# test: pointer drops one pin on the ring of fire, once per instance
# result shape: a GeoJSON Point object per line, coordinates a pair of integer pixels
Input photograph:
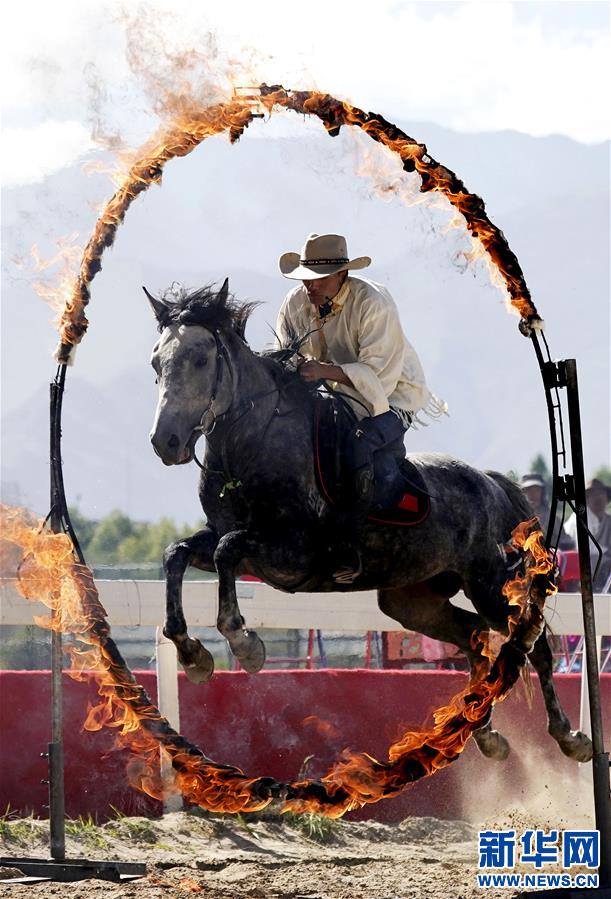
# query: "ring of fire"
{"type": "Point", "coordinates": [49, 572]}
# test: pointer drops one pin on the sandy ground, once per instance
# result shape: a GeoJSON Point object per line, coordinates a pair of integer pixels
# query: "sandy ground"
{"type": "Point", "coordinates": [228, 857]}
{"type": "Point", "coordinates": [264, 857]}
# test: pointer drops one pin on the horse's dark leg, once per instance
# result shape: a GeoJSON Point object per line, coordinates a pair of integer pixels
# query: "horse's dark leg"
{"type": "Point", "coordinates": [420, 608]}
{"type": "Point", "coordinates": [246, 645]}
{"type": "Point", "coordinates": [573, 743]}
{"type": "Point", "coordinates": [198, 551]}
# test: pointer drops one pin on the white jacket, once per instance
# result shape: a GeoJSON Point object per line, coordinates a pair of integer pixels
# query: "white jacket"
{"type": "Point", "coordinates": [363, 335]}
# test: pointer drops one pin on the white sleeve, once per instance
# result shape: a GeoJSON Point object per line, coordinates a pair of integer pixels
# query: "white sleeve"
{"type": "Point", "coordinates": [284, 325]}
{"type": "Point", "coordinates": [570, 528]}
{"type": "Point", "coordinates": [381, 355]}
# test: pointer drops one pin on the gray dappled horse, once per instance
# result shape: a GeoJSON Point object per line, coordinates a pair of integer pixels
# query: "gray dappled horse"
{"type": "Point", "coordinates": [266, 516]}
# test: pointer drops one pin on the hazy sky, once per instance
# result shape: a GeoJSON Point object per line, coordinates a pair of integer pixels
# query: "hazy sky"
{"type": "Point", "coordinates": [537, 67]}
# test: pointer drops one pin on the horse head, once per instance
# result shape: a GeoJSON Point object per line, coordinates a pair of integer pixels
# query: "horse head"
{"type": "Point", "coordinates": [190, 360]}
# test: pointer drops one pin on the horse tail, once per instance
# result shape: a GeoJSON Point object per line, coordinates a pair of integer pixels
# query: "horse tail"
{"type": "Point", "coordinates": [514, 494]}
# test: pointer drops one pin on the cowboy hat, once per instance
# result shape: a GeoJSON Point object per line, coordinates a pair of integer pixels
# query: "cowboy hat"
{"type": "Point", "coordinates": [322, 255]}
{"type": "Point", "coordinates": [597, 484]}
{"type": "Point", "coordinates": [532, 480]}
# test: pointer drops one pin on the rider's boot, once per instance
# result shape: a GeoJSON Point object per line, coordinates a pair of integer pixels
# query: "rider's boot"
{"type": "Point", "coordinates": [351, 522]}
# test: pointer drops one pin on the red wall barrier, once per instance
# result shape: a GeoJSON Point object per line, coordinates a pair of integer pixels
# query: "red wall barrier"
{"type": "Point", "coordinates": [268, 723]}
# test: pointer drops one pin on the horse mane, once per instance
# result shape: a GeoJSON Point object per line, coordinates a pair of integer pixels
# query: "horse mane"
{"type": "Point", "coordinates": [206, 306]}
{"type": "Point", "coordinates": [211, 308]}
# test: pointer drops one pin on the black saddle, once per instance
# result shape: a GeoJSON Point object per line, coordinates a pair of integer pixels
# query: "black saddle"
{"type": "Point", "coordinates": [400, 495]}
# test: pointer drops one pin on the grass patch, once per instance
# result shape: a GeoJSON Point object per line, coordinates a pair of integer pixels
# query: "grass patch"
{"type": "Point", "coordinates": [139, 830]}
{"type": "Point", "coordinates": [85, 828]}
{"type": "Point", "coordinates": [317, 828]}
{"type": "Point", "coordinates": [14, 829]}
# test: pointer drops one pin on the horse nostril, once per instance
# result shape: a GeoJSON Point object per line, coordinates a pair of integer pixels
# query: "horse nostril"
{"type": "Point", "coordinates": [173, 441]}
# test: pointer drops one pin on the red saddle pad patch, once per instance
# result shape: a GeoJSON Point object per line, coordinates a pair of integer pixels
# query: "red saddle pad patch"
{"type": "Point", "coordinates": [409, 503]}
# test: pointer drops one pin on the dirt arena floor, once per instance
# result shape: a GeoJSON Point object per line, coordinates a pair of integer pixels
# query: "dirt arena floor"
{"type": "Point", "coordinates": [268, 857]}
{"type": "Point", "coordinates": [308, 858]}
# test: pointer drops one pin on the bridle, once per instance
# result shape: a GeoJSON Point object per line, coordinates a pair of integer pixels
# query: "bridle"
{"type": "Point", "coordinates": [205, 429]}
{"type": "Point", "coordinates": [221, 352]}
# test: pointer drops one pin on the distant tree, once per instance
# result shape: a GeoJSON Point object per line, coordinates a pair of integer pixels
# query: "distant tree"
{"type": "Point", "coordinates": [149, 541]}
{"type": "Point", "coordinates": [160, 535]}
{"type": "Point", "coordinates": [108, 535]}
{"type": "Point", "coordinates": [116, 539]}
{"type": "Point", "coordinates": [84, 527]}
{"type": "Point", "coordinates": [512, 475]}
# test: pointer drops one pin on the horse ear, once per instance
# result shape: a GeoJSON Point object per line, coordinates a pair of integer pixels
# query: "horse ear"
{"type": "Point", "coordinates": [223, 292]}
{"type": "Point", "coordinates": [160, 309]}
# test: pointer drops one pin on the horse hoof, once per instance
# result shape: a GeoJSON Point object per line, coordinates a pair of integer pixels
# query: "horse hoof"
{"type": "Point", "coordinates": [251, 654]}
{"type": "Point", "coordinates": [197, 662]}
{"type": "Point", "coordinates": [492, 744]}
{"type": "Point", "coordinates": [577, 746]}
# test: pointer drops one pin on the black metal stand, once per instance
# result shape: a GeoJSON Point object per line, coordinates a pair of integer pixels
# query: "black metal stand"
{"type": "Point", "coordinates": [573, 488]}
{"type": "Point", "coordinates": [58, 867]}
{"type": "Point", "coordinates": [39, 869]}
{"type": "Point", "coordinates": [56, 746]}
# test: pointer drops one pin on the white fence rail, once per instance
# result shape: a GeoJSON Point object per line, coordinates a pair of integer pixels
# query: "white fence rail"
{"type": "Point", "coordinates": [132, 603]}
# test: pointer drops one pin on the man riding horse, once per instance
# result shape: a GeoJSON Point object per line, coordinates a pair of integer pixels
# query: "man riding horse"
{"type": "Point", "coordinates": [355, 343]}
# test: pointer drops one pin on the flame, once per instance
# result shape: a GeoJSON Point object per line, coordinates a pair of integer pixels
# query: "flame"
{"type": "Point", "coordinates": [321, 726]}
{"type": "Point", "coordinates": [49, 573]}
{"type": "Point", "coordinates": [190, 886]}
{"type": "Point", "coordinates": [54, 274]}
{"type": "Point", "coordinates": [190, 123]}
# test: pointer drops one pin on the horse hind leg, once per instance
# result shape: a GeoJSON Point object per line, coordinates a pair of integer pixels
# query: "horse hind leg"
{"type": "Point", "coordinates": [198, 551]}
{"type": "Point", "coordinates": [489, 602]}
{"type": "Point", "coordinates": [573, 743]}
{"type": "Point", "coordinates": [426, 609]}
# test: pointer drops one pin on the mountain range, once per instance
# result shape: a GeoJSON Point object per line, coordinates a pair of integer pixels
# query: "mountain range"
{"type": "Point", "coordinates": [232, 211]}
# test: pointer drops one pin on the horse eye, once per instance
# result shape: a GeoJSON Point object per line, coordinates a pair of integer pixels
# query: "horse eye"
{"type": "Point", "coordinates": [201, 362]}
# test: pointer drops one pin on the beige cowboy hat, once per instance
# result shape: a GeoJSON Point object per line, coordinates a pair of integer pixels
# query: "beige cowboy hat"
{"type": "Point", "coordinates": [322, 255]}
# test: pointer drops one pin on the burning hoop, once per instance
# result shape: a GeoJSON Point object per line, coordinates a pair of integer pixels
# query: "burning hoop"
{"type": "Point", "coordinates": [52, 574]}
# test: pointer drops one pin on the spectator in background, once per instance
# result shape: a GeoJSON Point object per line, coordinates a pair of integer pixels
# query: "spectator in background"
{"type": "Point", "coordinates": [598, 497]}
{"type": "Point", "coordinates": [534, 488]}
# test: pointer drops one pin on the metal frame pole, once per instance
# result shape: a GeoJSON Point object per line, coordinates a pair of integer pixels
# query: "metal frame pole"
{"type": "Point", "coordinates": [600, 760]}
{"type": "Point", "coordinates": [57, 830]}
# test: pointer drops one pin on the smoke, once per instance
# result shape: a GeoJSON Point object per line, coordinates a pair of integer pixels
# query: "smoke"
{"type": "Point", "coordinates": [535, 788]}
{"type": "Point", "coordinates": [173, 64]}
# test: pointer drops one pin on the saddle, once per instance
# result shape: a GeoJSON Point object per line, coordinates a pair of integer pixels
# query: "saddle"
{"type": "Point", "coordinates": [400, 495]}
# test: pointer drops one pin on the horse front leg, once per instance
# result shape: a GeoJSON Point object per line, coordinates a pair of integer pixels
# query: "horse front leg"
{"type": "Point", "coordinates": [245, 644]}
{"type": "Point", "coordinates": [198, 551]}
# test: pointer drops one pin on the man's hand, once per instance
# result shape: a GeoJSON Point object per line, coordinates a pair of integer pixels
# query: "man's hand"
{"type": "Point", "coordinates": [312, 370]}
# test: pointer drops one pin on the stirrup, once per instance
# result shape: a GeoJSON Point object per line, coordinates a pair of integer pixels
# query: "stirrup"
{"type": "Point", "coordinates": [346, 574]}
